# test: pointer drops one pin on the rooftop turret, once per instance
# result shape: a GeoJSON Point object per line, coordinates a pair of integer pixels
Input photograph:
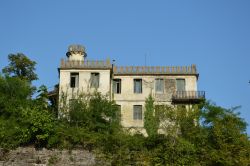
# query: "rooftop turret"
{"type": "Point", "coordinates": [76, 52]}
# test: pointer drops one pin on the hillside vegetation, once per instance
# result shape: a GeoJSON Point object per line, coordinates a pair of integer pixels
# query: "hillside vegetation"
{"type": "Point", "coordinates": [208, 135]}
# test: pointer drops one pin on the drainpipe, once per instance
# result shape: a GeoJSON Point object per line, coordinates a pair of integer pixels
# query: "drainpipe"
{"type": "Point", "coordinates": [111, 80]}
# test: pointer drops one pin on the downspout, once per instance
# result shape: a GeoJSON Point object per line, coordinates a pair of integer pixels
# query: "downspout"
{"type": "Point", "coordinates": [111, 80]}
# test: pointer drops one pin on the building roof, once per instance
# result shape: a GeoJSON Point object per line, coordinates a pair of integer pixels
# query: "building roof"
{"type": "Point", "coordinates": [155, 70]}
{"type": "Point", "coordinates": [129, 70]}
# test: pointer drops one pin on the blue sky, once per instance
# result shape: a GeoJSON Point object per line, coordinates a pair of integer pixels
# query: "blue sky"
{"type": "Point", "coordinates": [213, 34]}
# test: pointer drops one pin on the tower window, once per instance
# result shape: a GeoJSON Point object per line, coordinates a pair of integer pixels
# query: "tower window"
{"type": "Point", "coordinates": [74, 80]}
{"type": "Point", "coordinates": [94, 80]}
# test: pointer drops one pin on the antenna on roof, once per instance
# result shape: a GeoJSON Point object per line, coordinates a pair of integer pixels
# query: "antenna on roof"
{"type": "Point", "coordinates": [145, 59]}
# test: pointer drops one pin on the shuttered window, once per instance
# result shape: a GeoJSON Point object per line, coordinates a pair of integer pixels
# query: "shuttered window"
{"type": "Point", "coordinates": [94, 80]}
{"type": "Point", "coordinates": [137, 85]}
{"type": "Point", "coordinates": [159, 85]}
{"type": "Point", "coordinates": [137, 112]}
{"type": "Point", "coordinates": [180, 84]}
{"type": "Point", "coordinates": [118, 113]}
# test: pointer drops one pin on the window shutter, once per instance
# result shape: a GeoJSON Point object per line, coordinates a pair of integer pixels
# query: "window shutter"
{"type": "Point", "coordinates": [170, 86]}
{"type": "Point", "coordinates": [180, 83]}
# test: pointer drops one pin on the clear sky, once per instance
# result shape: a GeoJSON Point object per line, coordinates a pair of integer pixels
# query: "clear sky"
{"type": "Point", "coordinates": [213, 34]}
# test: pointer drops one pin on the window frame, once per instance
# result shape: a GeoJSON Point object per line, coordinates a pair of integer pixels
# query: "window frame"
{"type": "Point", "coordinates": [181, 79]}
{"type": "Point", "coordinates": [92, 78]}
{"type": "Point", "coordinates": [117, 86]}
{"type": "Point", "coordinates": [137, 113]}
{"type": "Point", "coordinates": [119, 112]}
{"type": "Point", "coordinates": [161, 81]}
{"type": "Point", "coordinates": [75, 76]}
{"type": "Point", "coordinates": [140, 89]}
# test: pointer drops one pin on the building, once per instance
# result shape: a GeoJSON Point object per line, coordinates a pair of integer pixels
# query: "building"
{"type": "Point", "coordinates": [129, 86]}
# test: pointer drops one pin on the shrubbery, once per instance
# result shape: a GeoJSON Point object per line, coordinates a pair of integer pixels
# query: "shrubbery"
{"type": "Point", "coordinates": [207, 135]}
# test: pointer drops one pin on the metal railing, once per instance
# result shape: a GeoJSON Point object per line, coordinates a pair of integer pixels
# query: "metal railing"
{"type": "Point", "coordinates": [183, 95]}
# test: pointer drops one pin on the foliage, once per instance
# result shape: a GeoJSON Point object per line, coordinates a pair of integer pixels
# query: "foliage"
{"type": "Point", "coordinates": [12, 133]}
{"type": "Point", "coordinates": [151, 123]}
{"type": "Point", "coordinates": [191, 135]}
{"type": "Point", "coordinates": [227, 138]}
{"type": "Point", "coordinates": [20, 66]}
{"type": "Point", "coordinates": [14, 94]}
{"type": "Point", "coordinates": [42, 97]}
{"type": "Point", "coordinates": [94, 112]}
{"type": "Point", "coordinates": [40, 124]}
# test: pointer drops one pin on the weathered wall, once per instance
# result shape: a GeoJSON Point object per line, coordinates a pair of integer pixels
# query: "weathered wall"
{"type": "Point", "coordinates": [84, 81]}
{"type": "Point", "coordinates": [128, 98]}
{"type": "Point", "coordinates": [29, 156]}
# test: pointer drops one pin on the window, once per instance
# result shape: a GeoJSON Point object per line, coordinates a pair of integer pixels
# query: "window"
{"type": "Point", "coordinates": [137, 114]}
{"type": "Point", "coordinates": [94, 80]}
{"type": "Point", "coordinates": [117, 86]}
{"type": "Point", "coordinates": [118, 113]}
{"type": "Point", "coordinates": [159, 85]}
{"type": "Point", "coordinates": [159, 109]}
{"type": "Point", "coordinates": [137, 85]}
{"type": "Point", "coordinates": [74, 80]}
{"type": "Point", "coordinates": [180, 84]}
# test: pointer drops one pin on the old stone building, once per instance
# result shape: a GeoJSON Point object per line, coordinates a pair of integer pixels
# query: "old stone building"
{"type": "Point", "coordinates": [129, 86]}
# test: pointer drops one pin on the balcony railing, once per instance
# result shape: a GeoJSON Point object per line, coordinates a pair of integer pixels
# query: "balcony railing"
{"type": "Point", "coordinates": [188, 95]}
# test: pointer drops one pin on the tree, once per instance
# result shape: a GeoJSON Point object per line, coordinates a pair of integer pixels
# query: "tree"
{"type": "Point", "coordinates": [151, 123]}
{"type": "Point", "coordinates": [20, 66]}
{"type": "Point", "coordinates": [228, 143]}
{"type": "Point", "coordinates": [14, 93]}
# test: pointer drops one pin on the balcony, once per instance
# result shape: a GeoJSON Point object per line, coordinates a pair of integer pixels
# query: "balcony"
{"type": "Point", "coordinates": [183, 97]}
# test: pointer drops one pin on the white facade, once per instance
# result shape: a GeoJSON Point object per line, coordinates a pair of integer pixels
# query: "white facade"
{"type": "Point", "coordinates": [129, 86]}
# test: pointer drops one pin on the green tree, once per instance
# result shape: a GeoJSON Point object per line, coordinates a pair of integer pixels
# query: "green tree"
{"type": "Point", "coordinates": [151, 123]}
{"type": "Point", "coordinates": [20, 66]}
{"type": "Point", "coordinates": [93, 111]}
{"type": "Point", "coordinates": [227, 143]}
{"type": "Point", "coordinates": [14, 94]}
{"type": "Point", "coordinates": [42, 97]}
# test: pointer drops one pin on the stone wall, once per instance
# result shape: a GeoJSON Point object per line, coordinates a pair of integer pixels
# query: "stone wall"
{"type": "Point", "coordinates": [29, 156]}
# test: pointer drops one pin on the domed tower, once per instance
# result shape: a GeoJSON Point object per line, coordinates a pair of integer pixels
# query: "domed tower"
{"type": "Point", "coordinates": [76, 53]}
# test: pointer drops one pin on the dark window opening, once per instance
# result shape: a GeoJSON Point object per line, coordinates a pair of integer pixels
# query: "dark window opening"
{"type": "Point", "coordinates": [74, 79]}
{"type": "Point", "coordinates": [137, 85]}
{"type": "Point", "coordinates": [117, 86]}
